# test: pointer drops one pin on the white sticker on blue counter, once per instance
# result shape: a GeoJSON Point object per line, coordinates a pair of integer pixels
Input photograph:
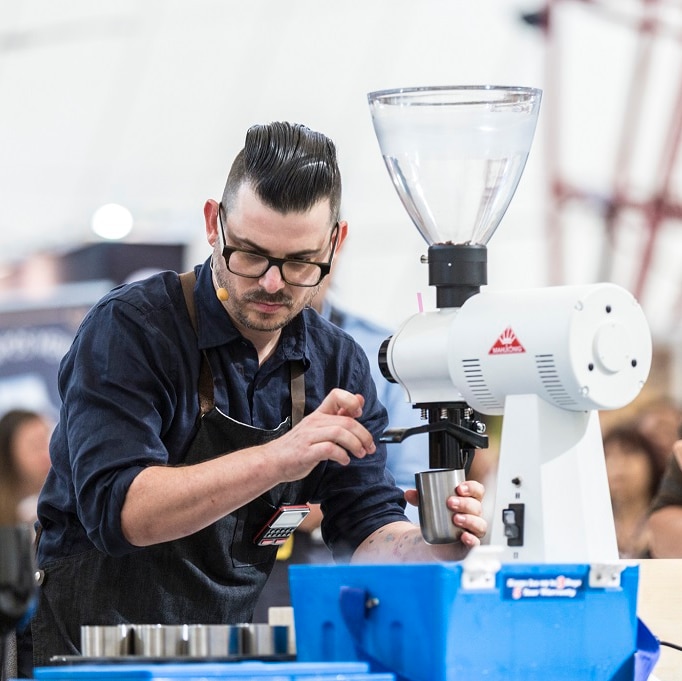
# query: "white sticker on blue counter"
{"type": "Point", "coordinates": [522, 587]}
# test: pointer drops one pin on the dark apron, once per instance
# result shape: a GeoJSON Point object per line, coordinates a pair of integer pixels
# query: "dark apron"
{"type": "Point", "coordinates": [213, 576]}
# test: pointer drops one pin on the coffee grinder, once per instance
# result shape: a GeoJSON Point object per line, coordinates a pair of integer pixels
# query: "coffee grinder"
{"type": "Point", "coordinates": [545, 359]}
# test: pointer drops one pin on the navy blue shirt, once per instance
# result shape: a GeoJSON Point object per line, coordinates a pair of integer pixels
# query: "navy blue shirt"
{"type": "Point", "coordinates": [129, 400]}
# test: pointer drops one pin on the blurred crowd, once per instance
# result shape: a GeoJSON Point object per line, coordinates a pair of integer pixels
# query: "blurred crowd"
{"type": "Point", "coordinates": [640, 460]}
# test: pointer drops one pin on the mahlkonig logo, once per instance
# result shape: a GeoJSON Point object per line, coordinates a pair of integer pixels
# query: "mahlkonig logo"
{"type": "Point", "coordinates": [507, 344]}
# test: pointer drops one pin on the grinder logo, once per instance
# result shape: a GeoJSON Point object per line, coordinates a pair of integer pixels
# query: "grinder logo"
{"type": "Point", "coordinates": [507, 344]}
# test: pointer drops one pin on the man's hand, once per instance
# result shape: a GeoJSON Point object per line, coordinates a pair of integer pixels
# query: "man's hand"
{"type": "Point", "coordinates": [328, 433]}
{"type": "Point", "coordinates": [467, 510]}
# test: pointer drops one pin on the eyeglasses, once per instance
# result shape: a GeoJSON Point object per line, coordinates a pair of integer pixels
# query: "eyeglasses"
{"type": "Point", "coordinates": [294, 272]}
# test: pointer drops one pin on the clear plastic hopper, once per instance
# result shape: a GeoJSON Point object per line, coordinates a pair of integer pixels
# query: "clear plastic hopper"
{"type": "Point", "coordinates": [455, 154]}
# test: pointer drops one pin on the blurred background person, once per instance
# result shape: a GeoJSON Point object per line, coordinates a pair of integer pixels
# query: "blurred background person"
{"type": "Point", "coordinates": [660, 421]}
{"type": "Point", "coordinates": [665, 522]}
{"type": "Point", "coordinates": [24, 462]}
{"type": "Point", "coordinates": [634, 474]}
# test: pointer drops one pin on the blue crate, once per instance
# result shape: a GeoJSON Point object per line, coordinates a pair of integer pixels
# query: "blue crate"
{"type": "Point", "coordinates": [419, 623]}
{"type": "Point", "coordinates": [214, 671]}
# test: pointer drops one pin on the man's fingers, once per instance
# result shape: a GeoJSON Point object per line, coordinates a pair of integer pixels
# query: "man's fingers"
{"type": "Point", "coordinates": [471, 488]}
{"type": "Point", "coordinates": [342, 403]}
{"type": "Point", "coordinates": [350, 435]}
{"type": "Point", "coordinates": [412, 497]}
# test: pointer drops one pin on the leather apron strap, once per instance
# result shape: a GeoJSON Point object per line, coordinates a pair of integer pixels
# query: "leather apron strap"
{"type": "Point", "coordinates": [206, 397]}
{"type": "Point", "coordinates": [297, 383]}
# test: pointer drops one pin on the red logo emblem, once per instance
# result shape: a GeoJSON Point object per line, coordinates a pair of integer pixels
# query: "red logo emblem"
{"type": "Point", "coordinates": [507, 344]}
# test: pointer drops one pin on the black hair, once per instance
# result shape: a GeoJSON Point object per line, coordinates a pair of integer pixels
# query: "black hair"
{"type": "Point", "coordinates": [634, 442]}
{"type": "Point", "coordinates": [290, 168]}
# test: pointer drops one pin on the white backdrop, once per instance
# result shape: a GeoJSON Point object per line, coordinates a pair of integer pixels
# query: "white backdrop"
{"type": "Point", "coordinates": [146, 103]}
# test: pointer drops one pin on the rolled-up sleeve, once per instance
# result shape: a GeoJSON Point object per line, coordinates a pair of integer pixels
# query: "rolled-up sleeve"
{"type": "Point", "coordinates": [122, 385]}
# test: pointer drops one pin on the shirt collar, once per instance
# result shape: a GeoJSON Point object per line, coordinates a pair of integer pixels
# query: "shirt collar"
{"type": "Point", "coordinates": [215, 326]}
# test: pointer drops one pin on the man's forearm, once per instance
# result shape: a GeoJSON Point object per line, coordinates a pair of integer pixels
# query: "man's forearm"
{"type": "Point", "coordinates": [166, 503]}
{"type": "Point", "coordinates": [402, 542]}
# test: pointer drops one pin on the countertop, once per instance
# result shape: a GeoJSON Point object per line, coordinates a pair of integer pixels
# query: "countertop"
{"type": "Point", "coordinates": [659, 606]}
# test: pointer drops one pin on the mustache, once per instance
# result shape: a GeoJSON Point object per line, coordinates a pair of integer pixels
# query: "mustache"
{"type": "Point", "coordinates": [279, 298]}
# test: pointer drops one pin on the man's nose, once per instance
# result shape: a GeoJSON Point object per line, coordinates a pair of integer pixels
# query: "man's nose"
{"type": "Point", "coordinates": [272, 279]}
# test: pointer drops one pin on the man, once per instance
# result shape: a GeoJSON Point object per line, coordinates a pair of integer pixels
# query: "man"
{"type": "Point", "coordinates": [152, 511]}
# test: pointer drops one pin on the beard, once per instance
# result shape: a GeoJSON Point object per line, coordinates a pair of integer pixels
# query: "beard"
{"type": "Point", "coordinates": [251, 319]}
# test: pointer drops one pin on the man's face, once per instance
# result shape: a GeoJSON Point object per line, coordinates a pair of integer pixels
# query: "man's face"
{"type": "Point", "coordinates": [267, 303]}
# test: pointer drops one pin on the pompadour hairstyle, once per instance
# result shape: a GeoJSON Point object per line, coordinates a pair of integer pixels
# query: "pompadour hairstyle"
{"type": "Point", "coordinates": [289, 167]}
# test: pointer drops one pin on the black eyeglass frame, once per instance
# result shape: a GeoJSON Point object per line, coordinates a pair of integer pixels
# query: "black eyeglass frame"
{"type": "Point", "coordinates": [324, 267]}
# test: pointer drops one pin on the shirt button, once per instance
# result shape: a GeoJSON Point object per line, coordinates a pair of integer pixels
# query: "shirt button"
{"type": "Point", "coordinates": [39, 577]}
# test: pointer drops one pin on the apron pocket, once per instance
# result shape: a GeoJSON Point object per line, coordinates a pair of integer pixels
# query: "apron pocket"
{"type": "Point", "coordinates": [249, 521]}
